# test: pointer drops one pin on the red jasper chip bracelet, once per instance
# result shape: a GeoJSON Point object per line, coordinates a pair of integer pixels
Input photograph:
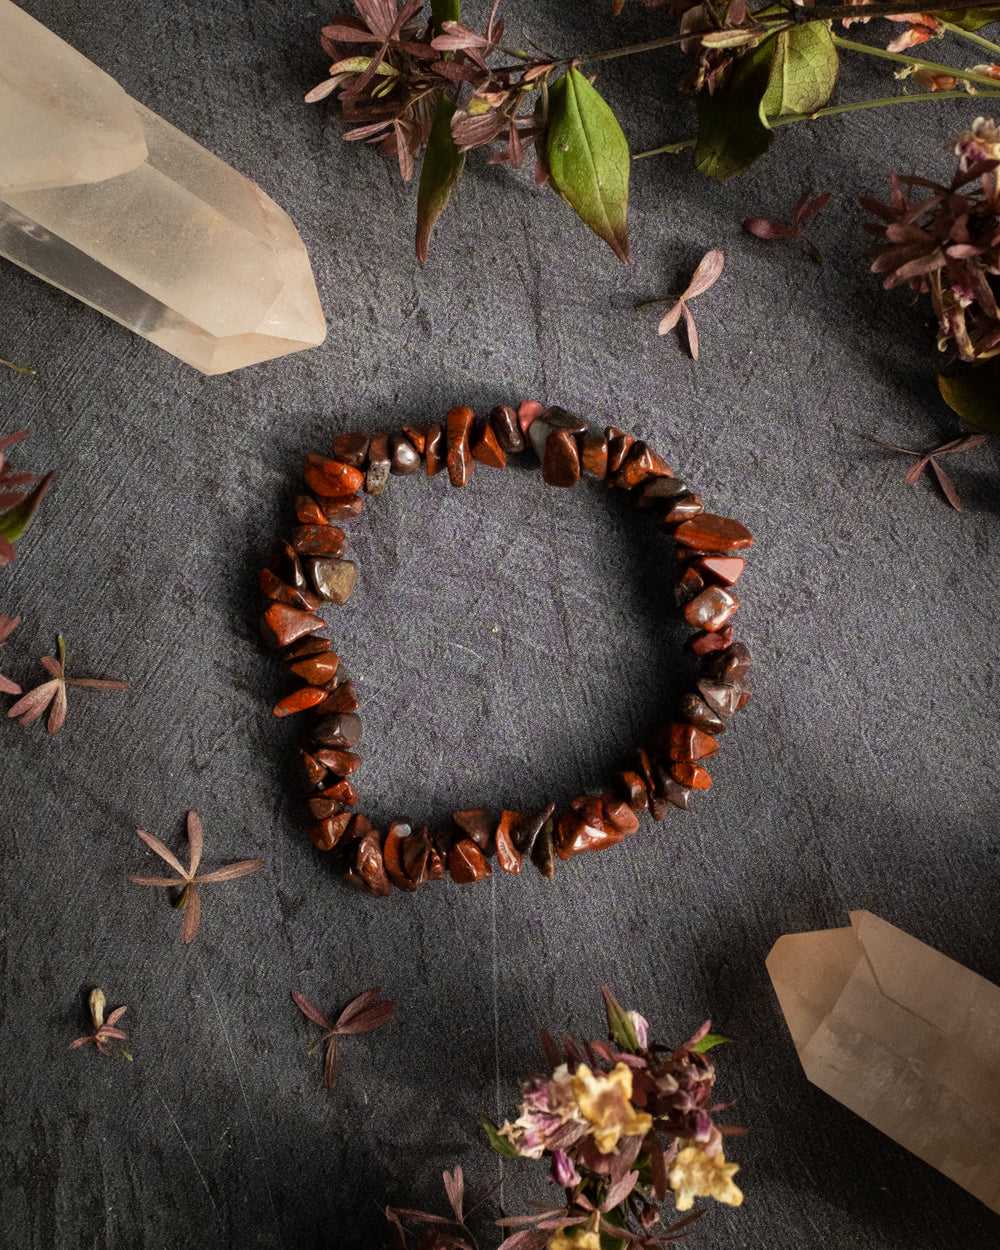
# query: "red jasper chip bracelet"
{"type": "Point", "coordinates": [310, 569]}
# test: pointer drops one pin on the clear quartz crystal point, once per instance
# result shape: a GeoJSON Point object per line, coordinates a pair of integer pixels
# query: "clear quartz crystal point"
{"type": "Point", "coordinates": [104, 199]}
{"type": "Point", "coordinates": [903, 1036]}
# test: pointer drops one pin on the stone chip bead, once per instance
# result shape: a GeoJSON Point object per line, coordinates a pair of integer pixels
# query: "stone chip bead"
{"type": "Point", "coordinates": [593, 457]}
{"type": "Point", "coordinates": [317, 670]}
{"type": "Point", "coordinates": [476, 823]}
{"type": "Point", "coordinates": [319, 540]}
{"type": "Point", "coordinates": [727, 570]}
{"type": "Point", "coordinates": [508, 856]}
{"type": "Point", "coordinates": [503, 422]}
{"type": "Point", "coordinates": [334, 580]}
{"type": "Point", "coordinates": [405, 457]}
{"type": "Point", "coordinates": [352, 449]}
{"type": "Point", "coordinates": [283, 625]}
{"type": "Point", "coordinates": [343, 729]}
{"type": "Point", "coordinates": [696, 712]}
{"type": "Point", "coordinates": [433, 445]}
{"type": "Point", "coordinates": [370, 866]}
{"type": "Point", "coordinates": [274, 588]}
{"type": "Point", "coordinates": [723, 697]}
{"type": "Point", "coordinates": [640, 463]}
{"type": "Point", "coordinates": [487, 449]}
{"type": "Point", "coordinates": [660, 492]}
{"type": "Point", "coordinates": [378, 465]}
{"type": "Point", "coordinates": [710, 534]}
{"type": "Point", "coordinates": [299, 701]}
{"type": "Point", "coordinates": [458, 455]}
{"type": "Point", "coordinates": [547, 423]}
{"type": "Point", "coordinates": [325, 834]}
{"type": "Point", "coordinates": [561, 462]}
{"type": "Point", "coordinates": [683, 508]}
{"type": "Point", "coordinates": [392, 856]}
{"type": "Point", "coordinates": [689, 743]}
{"type": "Point", "coordinates": [342, 509]}
{"type": "Point", "coordinates": [331, 478]}
{"type": "Point", "coordinates": [686, 773]}
{"type": "Point", "coordinates": [732, 664]}
{"type": "Point", "coordinates": [466, 862]}
{"type": "Point", "coordinates": [709, 610]}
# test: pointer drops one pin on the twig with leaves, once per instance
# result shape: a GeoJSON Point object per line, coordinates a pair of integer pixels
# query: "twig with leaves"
{"type": "Point", "coordinates": [188, 879]}
{"type": "Point", "coordinates": [361, 1015]}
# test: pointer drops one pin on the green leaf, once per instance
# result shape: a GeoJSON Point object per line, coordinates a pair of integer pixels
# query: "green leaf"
{"type": "Point", "coordinates": [708, 1041]}
{"type": "Point", "coordinates": [442, 168]}
{"type": "Point", "coordinates": [970, 19]}
{"type": "Point", "coordinates": [620, 1026]}
{"type": "Point", "coordinates": [732, 125]}
{"type": "Point", "coordinates": [975, 394]}
{"type": "Point", "coordinates": [15, 521]}
{"type": "Point", "coordinates": [500, 1144]}
{"type": "Point", "coordinates": [803, 70]}
{"type": "Point", "coordinates": [445, 11]}
{"type": "Point", "coordinates": [588, 159]}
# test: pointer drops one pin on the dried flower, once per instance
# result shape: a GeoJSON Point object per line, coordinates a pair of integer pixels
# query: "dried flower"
{"type": "Point", "coordinates": [929, 458]}
{"type": "Point", "coordinates": [361, 1015]}
{"type": "Point", "coordinates": [187, 878]}
{"type": "Point", "coordinates": [806, 206]}
{"type": "Point", "coordinates": [103, 1032]}
{"type": "Point", "coordinates": [31, 706]}
{"type": "Point", "coordinates": [624, 1114]}
{"type": "Point", "coordinates": [947, 245]}
{"type": "Point", "coordinates": [698, 1174]}
{"type": "Point", "coordinates": [919, 28]}
{"type": "Point", "coordinates": [706, 275]}
{"type": "Point", "coordinates": [7, 626]}
{"type": "Point", "coordinates": [603, 1100]}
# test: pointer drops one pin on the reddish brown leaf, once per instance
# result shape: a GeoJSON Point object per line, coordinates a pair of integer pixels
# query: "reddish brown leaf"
{"type": "Point", "coordinates": [231, 871]}
{"type": "Point", "coordinates": [309, 1009]}
{"type": "Point", "coordinates": [454, 1185]}
{"type": "Point", "coordinates": [947, 485]}
{"type": "Point", "coordinates": [371, 1018]}
{"type": "Point", "coordinates": [192, 913]}
{"type": "Point", "coordinates": [330, 1061]}
{"type": "Point", "coordinates": [553, 1055]}
{"type": "Point", "coordinates": [359, 1004]}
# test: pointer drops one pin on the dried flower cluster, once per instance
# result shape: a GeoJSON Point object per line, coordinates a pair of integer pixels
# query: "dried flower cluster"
{"type": "Point", "coordinates": [188, 879]}
{"type": "Point", "coordinates": [946, 244]}
{"type": "Point", "coordinates": [366, 1012]}
{"type": "Point", "coordinates": [20, 495]}
{"type": "Point", "coordinates": [621, 1125]}
{"type": "Point", "coordinates": [104, 1030]}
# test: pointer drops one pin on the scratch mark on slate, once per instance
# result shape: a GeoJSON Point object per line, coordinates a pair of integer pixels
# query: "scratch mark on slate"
{"type": "Point", "coordinates": [190, 1152]}
{"type": "Point", "coordinates": [246, 1103]}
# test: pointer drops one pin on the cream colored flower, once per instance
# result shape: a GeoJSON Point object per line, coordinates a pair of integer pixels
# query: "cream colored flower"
{"type": "Point", "coordinates": [696, 1174]}
{"type": "Point", "coordinates": [603, 1100]}
{"type": "Point", "coordinates": [574, 1240]}
{"type": "Point", "coordinates": [981, 143]}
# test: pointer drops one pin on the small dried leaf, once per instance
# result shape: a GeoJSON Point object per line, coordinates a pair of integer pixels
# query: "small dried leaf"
{"type": "Point", "coordinates": [671, 318]}
{"type": "Point", "coordinates": [196, 841]}
{"type": "Point", "coordinates": [706, 275]}
{"type": "Point", "coordinates": [550, 1047]}
{"type": "Point", "coordinates": [359, 1004]}
{"type": "Point", "coordinates": [762, 228]}
{"type": "Point", "coordinates": [309, 1009]}
{"type": "Point", "coordinates": [692, 332]}
{"type": "Point", "coordinates": [454, 1185]}
{"type": "Point", "coordinates": [231, 871]}
{"type": "Point", "coordinates": [192, 913]}
{"type": "Point", "coordinates": [156, 845]}
{"type": "Point", "coordinates": [365, 1021]}
{"type": "Point", "coordinates": [947, 485]}
{"type": "Point", "coordinates": [330, 1062]}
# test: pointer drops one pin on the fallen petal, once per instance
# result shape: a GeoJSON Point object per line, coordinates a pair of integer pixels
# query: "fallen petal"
{"type": "Point", "coordinates": [706, 275]}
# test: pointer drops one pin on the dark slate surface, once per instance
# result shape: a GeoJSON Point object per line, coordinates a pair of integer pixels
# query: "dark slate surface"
{"type": "Point", "coordinates": [509, 643]}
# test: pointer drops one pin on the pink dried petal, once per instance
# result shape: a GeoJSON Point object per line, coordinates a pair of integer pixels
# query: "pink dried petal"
{"type": "Point", "coordinates": [33, 704]}
{"type": "Point", "coordinates": [192, 914]}
{"type": "Point", "coordinates": [671, 318]}
{"type": "Point", "coordinates": [156, 845]}
{"type": "Point", "coordinates": [692, 332]}
{"type": "Point", "coordinates": [309, 1009]}
{"type": "Point", "coordinates": [706, 275]}
{"type": "Point", "coordinates": [57, 717]}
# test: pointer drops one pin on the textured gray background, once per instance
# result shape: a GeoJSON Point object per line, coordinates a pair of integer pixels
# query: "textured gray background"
{"type": "Point", "coordinates": [509, 643]}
